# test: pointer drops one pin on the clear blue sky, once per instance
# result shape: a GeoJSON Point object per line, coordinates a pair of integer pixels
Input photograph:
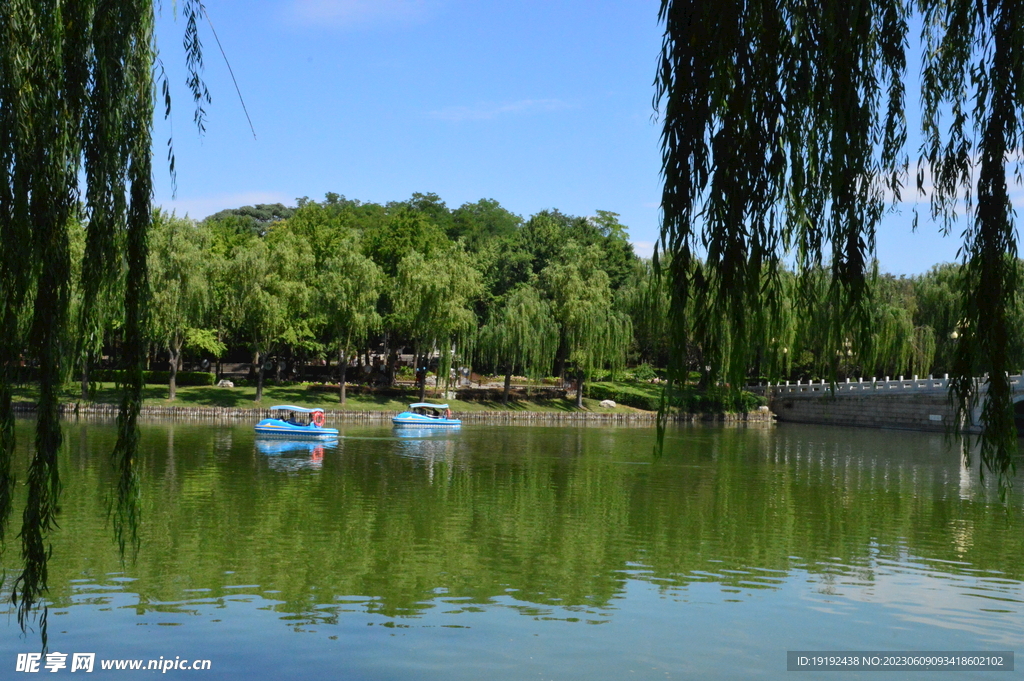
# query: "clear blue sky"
{"type": "Point", "coordinates": [537, 104]}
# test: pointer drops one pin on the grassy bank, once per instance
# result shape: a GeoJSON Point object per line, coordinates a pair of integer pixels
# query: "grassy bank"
{"type": "Point", "coordinates": [687, 399]}
{"type": "Point", "coordinates": [243, 397]}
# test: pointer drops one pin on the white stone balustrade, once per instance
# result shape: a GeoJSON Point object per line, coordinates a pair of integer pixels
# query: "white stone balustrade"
{"type": "Point", "coordinates": [863, 386]}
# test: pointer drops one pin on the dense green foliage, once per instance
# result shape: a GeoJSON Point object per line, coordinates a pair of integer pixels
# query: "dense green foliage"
{"type": "Point", "coordinates": [362, 283]}
{"type": "Point", "coordinates": [784, 134]}
{"type": "Point", "coordinates": [341, 280]}
{"type": "Point", "coordinates": [474, 286]}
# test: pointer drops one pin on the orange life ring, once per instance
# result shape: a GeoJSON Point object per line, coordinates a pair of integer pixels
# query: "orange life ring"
{"type": "Point", "coordinates": [318, 419]}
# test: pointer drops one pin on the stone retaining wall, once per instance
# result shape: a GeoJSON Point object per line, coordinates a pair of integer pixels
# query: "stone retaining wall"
{"type": "Point", "coordinates": [928, 411]}
{"type": "Point", "coordinates": [253, 414]}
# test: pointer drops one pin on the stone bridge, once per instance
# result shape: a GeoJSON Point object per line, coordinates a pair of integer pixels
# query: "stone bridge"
{"type": "Point", "coordinates": [911, 404]}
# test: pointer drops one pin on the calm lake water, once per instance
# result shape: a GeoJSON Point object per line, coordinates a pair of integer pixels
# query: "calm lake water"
{"type": "Point", "coordinates": [530, 553]}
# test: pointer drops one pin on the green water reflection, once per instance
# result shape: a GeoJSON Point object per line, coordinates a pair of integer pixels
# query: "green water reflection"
{"type": "Point", "coordinates": [852, 530]}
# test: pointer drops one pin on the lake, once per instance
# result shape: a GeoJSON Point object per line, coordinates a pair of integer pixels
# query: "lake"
{"type": "Point", "coordinates": [528, 552]}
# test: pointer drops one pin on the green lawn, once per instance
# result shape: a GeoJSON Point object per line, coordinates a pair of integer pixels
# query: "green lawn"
{"type": "Point", "coordinates": [300, 395]}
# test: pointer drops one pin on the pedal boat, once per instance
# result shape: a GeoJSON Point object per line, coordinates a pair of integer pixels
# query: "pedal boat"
{"type": "Point", "coordinates": [426, 414]}
{"type": "Point", "coordinates": [300, 424]}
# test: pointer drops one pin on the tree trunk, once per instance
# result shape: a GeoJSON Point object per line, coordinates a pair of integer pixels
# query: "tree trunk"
{"type": "Point", "coordinates": [219, 367]}
{"type": "Point", "coordinates": [508, 386]}
{"type": "Point", "coordinates": [85, 376]}
{"type": "Point", "coordinates": [579, 391]}
{"type": "Point", "coordinates": [342, 369]}
{"type": "Point", "coordinates": [392, 364]}
{"type": "Point", "coordinates": [421, 372]}
{"type": "Point", "coordinates": [259, 384]}
{"type": "Point", "coordinates": [277, 370]}
{"type": "Point", "coordinates": [560, 363]}
{"type": "Point", "coordinates": [172, 381]}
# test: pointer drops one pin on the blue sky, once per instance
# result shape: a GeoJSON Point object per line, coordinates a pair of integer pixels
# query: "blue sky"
{"type": "Point", "coordinates": [535, 104]}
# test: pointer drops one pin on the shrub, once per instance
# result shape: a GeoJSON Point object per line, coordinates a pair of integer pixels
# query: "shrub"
{"type": "Point", "coordinates": [155, 377]}
{"type": "Point", "coordinates": [721, 399]}
{"type": "Point", "coordinates": [643, 373]}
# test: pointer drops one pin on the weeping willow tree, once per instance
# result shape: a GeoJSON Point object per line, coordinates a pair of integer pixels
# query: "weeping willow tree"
{"type": "Point", "coordinates": [76, 111]}
{"type": "Point", "coordinates": [937, 295]}
{"type": "Point", "coordinates": [899, 345]}
{"type": "Point", "coordinates": [349, 285]}
{"type": "Point", "coordinates": [180, 273]}
{"type": "Point", "coordinates": [270, 297]}
{"type": "Point", "coordinates": [771, 337]}
{"type": "Point", "coordinates": [896, 344]}
{"type": "Point", "coordinates": [784, 132]}
{"type": "Point", "coordinates": [521, 332]}
{"type": "Point", "coordinates": [432, 305]}
{"type": "Point", "coordinates": [593, 333]}
{"type": "Point", "coordinates": [646, 300]}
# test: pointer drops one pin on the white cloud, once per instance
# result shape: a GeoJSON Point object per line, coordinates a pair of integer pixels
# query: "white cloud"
{"type": "Point", "coordinates": [911, 195]}
{"type": "Point", "coordinates": [643, 249]}
{"type": "Point", "coordinates": [488, 110]}
{"type": "Point", "coordinates": [357, 12]}
{"type": "Point", "coordinates": [200, 207]}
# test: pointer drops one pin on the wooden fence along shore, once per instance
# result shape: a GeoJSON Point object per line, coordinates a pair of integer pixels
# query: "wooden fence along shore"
{"type": "Point", "coordinates": [254, 414]}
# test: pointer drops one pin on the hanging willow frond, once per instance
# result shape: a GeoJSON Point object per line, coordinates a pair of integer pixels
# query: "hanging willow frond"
{"type": "Point", "coordinates": [17, 277]}
{"type": "Point", "coordinates": [978, 48]}
{"type": "Point", "coordinates": [194, 10]}
{"type": "Point", "coordinates": [432, 303]}
{"type": "Point", "coordinates": [782, 128]}
{"type": "Point", "coordinates": [46, 60]}
{"type": "Point", "coordinates": [595, 334]}
{"type": "Point", "coordinates": [647, 302]}
{"type": "Point", "coordinates": [784, 132]}
{"type": "Point", "coordinates": [76, 101]}
{"type": "Point", "coordinates": [520, 333]}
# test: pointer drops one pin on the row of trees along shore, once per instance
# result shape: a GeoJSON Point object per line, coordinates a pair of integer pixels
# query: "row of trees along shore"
{"type": "Point", "coordinates": [480, 286]}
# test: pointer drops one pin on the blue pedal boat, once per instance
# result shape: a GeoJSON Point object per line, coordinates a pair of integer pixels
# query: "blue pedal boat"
{"type": "Point", "coordinates": [426, 414]}
{"type": "Point", "coordinates": [293, 426]}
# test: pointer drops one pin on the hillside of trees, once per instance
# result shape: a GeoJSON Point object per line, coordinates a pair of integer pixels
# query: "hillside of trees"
{"type": "Point", "coordinates": [351, 284]}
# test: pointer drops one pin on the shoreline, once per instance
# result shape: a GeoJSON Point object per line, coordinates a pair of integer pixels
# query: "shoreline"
{"type": "Point", "coordinates": [510, 416]}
